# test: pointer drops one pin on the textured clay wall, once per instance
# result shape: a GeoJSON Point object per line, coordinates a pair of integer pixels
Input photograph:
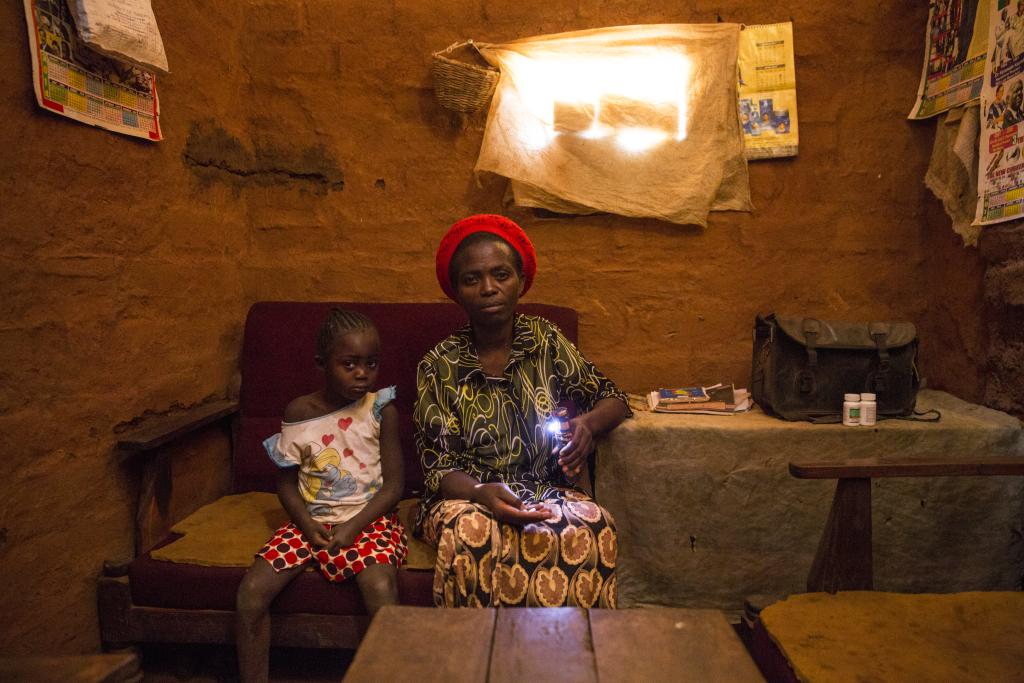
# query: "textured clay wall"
{"type": "Point", "coordinates": [1003, 250]}
{"type": "Point", "coordinates": [306, 158]}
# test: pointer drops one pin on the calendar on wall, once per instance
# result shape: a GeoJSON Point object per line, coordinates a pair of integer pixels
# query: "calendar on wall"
{"type": "Point", "coordinates": [767, 91]}
{"type": "Point", "coordinates": [75, 81]}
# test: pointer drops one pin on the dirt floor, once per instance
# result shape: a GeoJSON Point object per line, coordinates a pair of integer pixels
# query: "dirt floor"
{"type": "Point", "coordinates": [216, 663]}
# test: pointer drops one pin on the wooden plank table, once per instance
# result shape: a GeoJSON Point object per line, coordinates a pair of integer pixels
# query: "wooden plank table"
{"type": "Point", "coordinates": [556, 644]}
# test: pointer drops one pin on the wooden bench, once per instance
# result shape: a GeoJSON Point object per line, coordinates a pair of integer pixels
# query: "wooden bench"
{"type": "Point", "coordinates": [967, 637]}
{"type": "Point", "coordinates": [844, 558]}
{"type": "Point", "coordinates": [829, 632]}
{"type": "Point", "coordinates": [554, 644]}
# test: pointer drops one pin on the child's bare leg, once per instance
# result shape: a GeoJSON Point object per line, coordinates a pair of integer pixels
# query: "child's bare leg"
{"type": "Point", "coordinates": [258, 589]}
{"type": "Point", "coordinates": [379, 585]}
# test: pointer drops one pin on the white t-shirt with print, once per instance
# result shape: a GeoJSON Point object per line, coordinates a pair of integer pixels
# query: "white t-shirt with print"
{"type": "Point", "coordinates": [338, 456]}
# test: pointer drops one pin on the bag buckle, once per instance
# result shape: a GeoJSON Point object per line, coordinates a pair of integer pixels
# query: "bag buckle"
{"type": "Point", "coordinates": [879, 332]}
{"type": "Point", "coordinates": [805, 382]}
{"type": "Point", "coordinates": [877, 382]}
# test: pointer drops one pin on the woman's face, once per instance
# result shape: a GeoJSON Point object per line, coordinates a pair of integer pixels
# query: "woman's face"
{"type": "Point", "coordinates": [487, 282]}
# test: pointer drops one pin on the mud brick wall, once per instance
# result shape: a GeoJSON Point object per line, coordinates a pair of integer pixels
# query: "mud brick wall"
{"type": "Point", "coordinates": [1002, 248]}
{"type": "Point", "coordinates": [306, 158]}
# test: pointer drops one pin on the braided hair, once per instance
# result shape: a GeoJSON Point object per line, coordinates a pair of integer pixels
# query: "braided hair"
{"type": "Point", "coordinates": [339, 321]}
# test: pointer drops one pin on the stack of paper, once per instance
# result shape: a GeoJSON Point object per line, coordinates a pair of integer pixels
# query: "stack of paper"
{"type": "Point", "coordinates": [719, 399]}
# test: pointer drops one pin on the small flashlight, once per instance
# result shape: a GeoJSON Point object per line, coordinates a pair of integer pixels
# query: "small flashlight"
{"type": "Point", "coordinates": [558, 426]}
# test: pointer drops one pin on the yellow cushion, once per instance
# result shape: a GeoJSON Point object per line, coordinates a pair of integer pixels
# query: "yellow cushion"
{"type": "Point", "coordinates": [229, 532]}
{"type": "Point", "coordinates": [861, 636]}
{"type": "Point", "coordinates": [421, 554]}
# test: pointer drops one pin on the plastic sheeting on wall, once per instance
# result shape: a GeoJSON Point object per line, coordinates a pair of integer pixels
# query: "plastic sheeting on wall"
{"type": "Point", "coordinates": [633, 120]}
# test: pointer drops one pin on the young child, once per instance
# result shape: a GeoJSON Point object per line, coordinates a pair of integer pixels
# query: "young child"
{"type": "Point", "coordinates": [340, 479]}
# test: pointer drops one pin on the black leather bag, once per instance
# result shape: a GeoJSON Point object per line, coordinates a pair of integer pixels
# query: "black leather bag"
{"type": "Point", "coordinates": [803, 366]}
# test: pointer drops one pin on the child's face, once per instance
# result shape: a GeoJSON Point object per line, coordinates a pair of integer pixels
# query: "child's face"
{"type": "Point", "coordinates": [351, 368]}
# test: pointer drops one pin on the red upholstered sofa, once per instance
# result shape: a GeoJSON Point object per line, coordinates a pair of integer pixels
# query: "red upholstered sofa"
{"type": "Point", "coordinates": [151, 600]}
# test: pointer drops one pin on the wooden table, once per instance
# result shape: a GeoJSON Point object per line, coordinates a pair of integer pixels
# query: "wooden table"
{"type": "Point", "coordinates": [556, 644]}
{"type": "Point", "coordinates": [845, 557]}
{"type": "Point", "coordinates": [709, 515]}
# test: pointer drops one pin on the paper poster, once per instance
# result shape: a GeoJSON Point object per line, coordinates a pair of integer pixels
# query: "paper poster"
{"type": "Point", "coordinates": [1001, 144]}
{"type": "Point", "coordinates": [956, 40]}
{"type": "Point", "coordinates": [123, 29]}
{"type": "Point", "coordinates": [767, 91]}
{"type": "Point", "coordinates": [75, 81]}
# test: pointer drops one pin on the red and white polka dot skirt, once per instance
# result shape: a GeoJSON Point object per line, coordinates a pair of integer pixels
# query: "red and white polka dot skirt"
{"type": "Point", "coordinates": [382, 542]}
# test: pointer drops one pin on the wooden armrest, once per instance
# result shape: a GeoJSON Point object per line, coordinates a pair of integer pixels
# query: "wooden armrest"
{"type": "Point", "coordinates": [871, 468]}
{"type": "Point", "coordinates": [159, 431]}
{"type": "Point", "coordinates": [156, 475]}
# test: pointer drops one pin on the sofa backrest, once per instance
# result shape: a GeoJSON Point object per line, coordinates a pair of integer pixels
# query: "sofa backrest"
{"type": "Point", "coordinates": [277, 365]}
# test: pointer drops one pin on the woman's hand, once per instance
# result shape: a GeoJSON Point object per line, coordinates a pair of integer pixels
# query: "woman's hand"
{"type": "Point", "coordinates": [343, 535]}
{"type": "Point", "coordinates": [506, 506]}
{"type": "Point", "coordinates": [605, 416]}
{"type": "Point", "coordinates": [574, 454]}
{"type": "Point", "coordinates": [315, 532]}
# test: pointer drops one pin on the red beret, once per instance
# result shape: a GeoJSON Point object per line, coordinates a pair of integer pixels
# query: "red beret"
{"type": "Point", "coordinates": [484, 222]}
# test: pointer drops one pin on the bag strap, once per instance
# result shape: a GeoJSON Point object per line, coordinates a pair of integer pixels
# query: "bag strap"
{"type": "Point", "coordinates": [879, 333]}
{"type": "Point", "coordinates": [931, 415]}
{"type": "Point", "coordinates": [811, 330]}
{"type": "Point", "coordinates": [764, 328]}
{"type": "Point", "coordinates": [805, 380]}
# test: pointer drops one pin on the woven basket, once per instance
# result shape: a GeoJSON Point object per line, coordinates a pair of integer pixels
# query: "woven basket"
{"type": "Point", "coordinates": [460, 86]}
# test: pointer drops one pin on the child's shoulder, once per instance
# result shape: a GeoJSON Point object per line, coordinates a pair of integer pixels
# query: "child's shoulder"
{"type": "Point", "coordinates": [384, 402]}
{"type": "Point", "coordinates": [305, 407]}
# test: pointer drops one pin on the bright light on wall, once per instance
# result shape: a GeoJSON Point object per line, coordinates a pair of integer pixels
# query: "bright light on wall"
{"type": "Point", "coordinates": [640, 139]}
{"type": "Point", "coordinates": [638, 97]}
{"type": "Point", "coordinates": [630, 120]}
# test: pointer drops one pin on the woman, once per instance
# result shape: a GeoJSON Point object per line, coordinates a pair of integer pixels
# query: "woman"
{"type": "Point", "coordinates": [509, 525]}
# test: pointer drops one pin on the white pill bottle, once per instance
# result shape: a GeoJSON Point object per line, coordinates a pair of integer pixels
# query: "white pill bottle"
{"type": "Point", "coordinates": [851, 410]}
{"type": "Point", "coordinates": [868, 409]}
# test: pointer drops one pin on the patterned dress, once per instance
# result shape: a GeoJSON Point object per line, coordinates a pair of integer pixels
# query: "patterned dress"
{"type": "Point", "coordinates": [493, 429]}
